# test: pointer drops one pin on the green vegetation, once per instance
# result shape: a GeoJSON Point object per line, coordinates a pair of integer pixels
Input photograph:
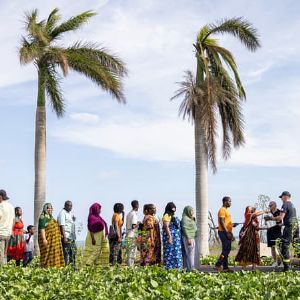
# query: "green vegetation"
{"type": "Point", "coordinates": [143, 283]}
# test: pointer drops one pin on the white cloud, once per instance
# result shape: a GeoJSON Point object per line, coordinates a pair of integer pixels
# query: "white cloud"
{"type": "Point", "coordinates": [85, 117]}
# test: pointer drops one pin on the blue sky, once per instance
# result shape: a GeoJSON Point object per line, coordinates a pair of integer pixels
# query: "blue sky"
{"type": "Point", "coordinates": [106, 152]}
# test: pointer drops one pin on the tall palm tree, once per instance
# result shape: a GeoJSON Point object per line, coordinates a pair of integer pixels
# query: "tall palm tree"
{"type": "Point", "coordinates": [215, 96]}
{"type": "Point", "coordinates": [41, 47]}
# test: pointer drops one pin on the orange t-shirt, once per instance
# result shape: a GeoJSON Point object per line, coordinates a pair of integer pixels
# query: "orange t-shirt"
{"type": "Point", "coordinates": [117, 218]}
{"type": "Point", "coordinates": [224, 213]}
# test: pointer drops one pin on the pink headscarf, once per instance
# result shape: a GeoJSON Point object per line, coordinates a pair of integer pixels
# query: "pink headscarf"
{"type": "Point", "coordinates": [95, 222]}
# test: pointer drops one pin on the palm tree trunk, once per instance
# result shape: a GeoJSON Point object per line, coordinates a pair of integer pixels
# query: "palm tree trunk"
{"type": "Point", "coordinates": [201, 183]}
{"type": "Point", "coordinates": [40, 156]}
{"type": "Point", "coordinates": [201, 180]}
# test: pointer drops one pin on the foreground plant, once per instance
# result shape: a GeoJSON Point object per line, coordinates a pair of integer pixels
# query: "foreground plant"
{"type": "Point", "coordinates": [41, 47]}
{"type": "Point", "coordinates": [215, 94]}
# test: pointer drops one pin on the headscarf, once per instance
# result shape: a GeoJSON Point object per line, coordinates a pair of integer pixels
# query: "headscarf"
{"type": "Point", "coordinates": [189, 226]}
{"type": "Point", "coordinates": [95, 222]}
{"type": "Point", "coordinates": [45, 212]}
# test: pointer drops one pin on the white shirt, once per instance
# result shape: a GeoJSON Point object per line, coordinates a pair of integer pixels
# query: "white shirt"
{"type": "Point", "coordinates": [131, 219]}
{"type": "Point", "coordinates": [29, 247]}
{"type": "Point", "coordinates": [67, 220]}
{"type": "Point", "coordinates": [7, 215]}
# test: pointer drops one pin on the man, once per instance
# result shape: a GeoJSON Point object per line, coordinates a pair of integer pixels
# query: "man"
{"type": "Point", "coordinates": [291, 230]}
{"type": "Point", "coordinates": [274, 232]}
{"type": "Point", "coordinates": [131, 228]}
{"type": "Point", "coordinates": [225, 233]}
{"type": "Point", "coordinates": [7, 214]}
{"type": "Point", "coordinates": [66, 221]}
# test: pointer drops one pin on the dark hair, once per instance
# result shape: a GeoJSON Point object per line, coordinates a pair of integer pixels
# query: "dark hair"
{"type": "Point", "coordinates": [170, 211]}
{"type": "Point", "coordinates": [134, 204]}
{"type": "Point", "coordinates": [145, 208]}
{"type": "Point", "coordinates": [68, 202]}
{"type": "Point", "coordinates": [29, 227]}
{"type": "Point", "coordinates": [225, 199]}
{"type": "Point", "coordinates": [16, 209]}
{"type": "Point", "coordinates": [118, 208]}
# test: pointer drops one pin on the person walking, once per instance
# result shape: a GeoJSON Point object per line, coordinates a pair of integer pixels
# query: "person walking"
{"type": "Point", "coordinates": [115, 237]}
{"type": "Point", "coordinates": [66, 222]}
{"type": "Point", "coordinates": [96, 249]}
{"type": "Point", "coordinates": [249, 251]}
{"type": "Point", "coordinates": [225, 226]}
{"type": "Point", "coordinates": [191, 256]}
{"type": "Point", "coordinates": [51, 252]}
{"type": "Point", "coordinates": [274, 232]}
{"type": "Point", "coordinates": [288, 216]}
{"type": "Point", "coordinates": [7, 214]}
{"type": "Point", "coordinates": [131, 229]}
{"type": "Point", "coordinates": [15, 250]}
{"type": "Point", "coordinates": [172, 251]}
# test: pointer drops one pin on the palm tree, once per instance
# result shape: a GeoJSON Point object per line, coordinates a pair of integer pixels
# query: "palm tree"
{"type": "Point", "coordinates": [215, 96]}
{"type": "Point", "coordinates": [41, 47]}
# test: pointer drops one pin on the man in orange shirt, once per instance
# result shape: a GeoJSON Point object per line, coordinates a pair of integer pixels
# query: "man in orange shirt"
{"type": "Point", "coordinates": [225, 234]}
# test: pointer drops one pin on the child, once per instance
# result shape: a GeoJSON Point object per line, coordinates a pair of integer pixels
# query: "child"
{"type": "Point", "coordinates": [29, 245]}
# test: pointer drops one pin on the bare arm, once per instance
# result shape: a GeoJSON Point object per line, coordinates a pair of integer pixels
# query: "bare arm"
{"type": "Point", "coordinates": [43, 235]}
{"type": "Point", "coordinates": [222, 223]}
{"type": "Point", "coordinates": [93, 238]}
{"type": "Point", "coordinates": [279, 218]}
{"type": "Point", "coordinates": [167, 226]}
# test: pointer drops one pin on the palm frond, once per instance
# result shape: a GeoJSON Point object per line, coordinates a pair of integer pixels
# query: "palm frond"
{"type": "Point", "coordinates": [239, 28]}
{"type": "Point", "coordinates": [36, 29]}
{"type": "Point", "coordinates": [54, 91]}
{"type": "Point", "coordinates": [57, 56]}
{"type": "Point", "coordinates": [104, 77]}
{"type": "Point", "coordinates": [52, 20]}
{"type": "Point", "coordinates": [29, 51]}
{"type": "Point", "coordinates": [72, 24]}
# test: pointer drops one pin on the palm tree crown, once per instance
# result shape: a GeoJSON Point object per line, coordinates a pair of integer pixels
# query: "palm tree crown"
{"type": "Point", "coordinates": [217, 92]}
{"type": "Point", "coordinates": [40, 46]}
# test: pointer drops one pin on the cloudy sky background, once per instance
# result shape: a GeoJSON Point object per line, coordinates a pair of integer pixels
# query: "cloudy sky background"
{"type": "Point", "coordinates": [106, 152]}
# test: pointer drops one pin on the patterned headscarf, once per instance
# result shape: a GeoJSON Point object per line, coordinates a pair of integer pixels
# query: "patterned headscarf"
{"type": "Point", "coordinates": [45, 212]}
{"type": "Point", "coordinates": [95, 222]}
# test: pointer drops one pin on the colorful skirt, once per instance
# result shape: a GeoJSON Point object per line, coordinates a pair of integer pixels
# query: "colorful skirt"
{"type": "Point", "coordinates": [51, 255]}
{"type": "Point", "coordinates": [97, 254]}
{"type": "Point", "coordinates": [16, 243]}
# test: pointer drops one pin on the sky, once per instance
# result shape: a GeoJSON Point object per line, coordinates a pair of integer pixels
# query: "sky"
{"type": "Point", "coordinates": [106, 152]}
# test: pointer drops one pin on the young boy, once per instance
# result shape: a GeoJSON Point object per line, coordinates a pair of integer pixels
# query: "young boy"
{"type": "Point", "coordinates": [29, 245]}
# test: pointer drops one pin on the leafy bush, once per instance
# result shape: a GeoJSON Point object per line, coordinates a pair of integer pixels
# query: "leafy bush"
{"type": "Point", "coordinates": [142, 283]}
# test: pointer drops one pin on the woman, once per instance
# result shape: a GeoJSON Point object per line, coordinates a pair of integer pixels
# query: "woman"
{"type": "Point", "coordinates": [151, 242]}
{"type": "Point", "coordinates": [51, 252]}
{"type": "Point", "coordinates": [96, 250]}
{"type": "Point", "coordinates": [172, 238]}
{"type": "Point", "coordinates": [115, 240]}
{"type": "Point", "coordinates": [16, 243]}
{"type": "Point", "coordinates": [191, 257]}
{"type": "Point", "coordinates": [249, 251]}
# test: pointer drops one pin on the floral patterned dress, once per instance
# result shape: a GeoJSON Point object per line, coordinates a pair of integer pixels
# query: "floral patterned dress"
{"type": "Point", "coordinates": [173, 252]}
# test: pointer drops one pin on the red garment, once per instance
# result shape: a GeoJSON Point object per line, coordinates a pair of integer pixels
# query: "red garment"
{"type": "Point", "coordinates": [16, 244]}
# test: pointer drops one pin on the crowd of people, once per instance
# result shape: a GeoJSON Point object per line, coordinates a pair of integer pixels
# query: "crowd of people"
{"type": "Point", "coordinates": [171, 242]}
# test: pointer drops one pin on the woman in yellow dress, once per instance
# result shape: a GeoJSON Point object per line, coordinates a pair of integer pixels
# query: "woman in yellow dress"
{"type": "Point", "coordinates": [51, 252]}
{"type": "Point", "coordinates": [96, 249]}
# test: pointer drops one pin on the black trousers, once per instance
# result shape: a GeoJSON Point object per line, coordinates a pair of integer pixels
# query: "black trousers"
{"type": "Point", "coordinates": [290, 235]}
{"type": "Point", "coordinates": [226, 248]}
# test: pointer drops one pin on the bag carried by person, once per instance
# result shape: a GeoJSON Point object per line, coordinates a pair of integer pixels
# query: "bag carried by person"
{"type": "Point", "coordinates": [112, 235]}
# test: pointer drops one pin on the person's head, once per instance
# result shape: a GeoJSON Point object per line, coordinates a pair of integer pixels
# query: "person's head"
{"type": "Point", "coordinates": [135, 205]}
{"type": "Point", "coordinates": [3, 195]}
{"type": "Point", "coordinates": [226, 201]}
{"type": "Point", "coordinates": [95, 209]}
{"type": "Point", "coordinates": [151, 209]}
{"type": "Point", "coordinates": [18, 211]}
{"type": "Point", "coordinates": [47, 209]}
{"type": "Point", "coordinates": [68, 205]}
{"type": "Point", "coordinates": [170, 209]}
{"type": "Point", "coordinates": [146, 209]}
{"type": "Point", "coordinates": [272, 206]}
{"type": "Point", "coordinates": [189, 212]}
{"type": "Point", "coordinates": [285, 196]}
{"type": "Point", "coordinates": [30, 229]}
{"type": "Point", "coordinates": [118, 208]}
